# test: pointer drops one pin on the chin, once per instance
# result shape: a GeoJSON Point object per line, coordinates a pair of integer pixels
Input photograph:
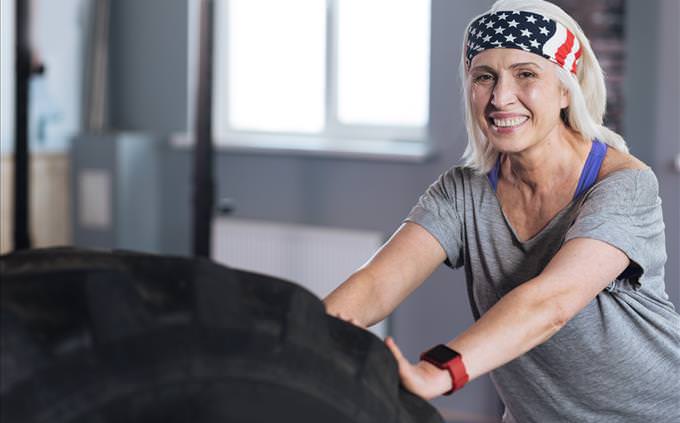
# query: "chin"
{"type": "Point", "coordinates": [507, 144]}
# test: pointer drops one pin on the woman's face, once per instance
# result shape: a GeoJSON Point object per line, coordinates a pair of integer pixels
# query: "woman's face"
{"type": "Point", "coordinates": [516, 98]}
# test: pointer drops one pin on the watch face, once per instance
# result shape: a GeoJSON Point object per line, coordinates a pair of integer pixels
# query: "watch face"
{"type": "Point", "coordinates": [442, 354]}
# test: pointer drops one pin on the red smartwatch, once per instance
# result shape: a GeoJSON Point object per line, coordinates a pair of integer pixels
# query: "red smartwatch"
{"type": "Point", "coordinates": [446, 358]}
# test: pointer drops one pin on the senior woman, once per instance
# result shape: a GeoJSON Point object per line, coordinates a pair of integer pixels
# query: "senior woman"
{"type": "Point", "coordinates": [560, 233]}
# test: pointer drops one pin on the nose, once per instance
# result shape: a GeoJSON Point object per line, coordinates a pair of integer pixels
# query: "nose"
{"type": "Point", "coordinates": [503, 92]}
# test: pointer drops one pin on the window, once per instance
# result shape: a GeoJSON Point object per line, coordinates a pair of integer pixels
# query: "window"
{"type": "Point", "coordinates": [337, 70]}
{"type": "Point", "coordinates": [7, 77]}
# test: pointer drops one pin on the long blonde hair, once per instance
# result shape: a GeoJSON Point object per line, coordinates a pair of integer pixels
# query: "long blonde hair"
{"type": "Point", "coordinates": [587, 91]}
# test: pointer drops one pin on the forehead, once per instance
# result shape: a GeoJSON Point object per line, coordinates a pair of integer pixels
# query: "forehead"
{"type": "Point", "coordinates": [506, 57]}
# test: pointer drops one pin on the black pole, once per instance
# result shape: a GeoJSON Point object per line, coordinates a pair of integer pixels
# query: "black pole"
{"type": "Point", "coordinates": [21, 159]}
{"type": "Point", "coordinates": [203, 148]}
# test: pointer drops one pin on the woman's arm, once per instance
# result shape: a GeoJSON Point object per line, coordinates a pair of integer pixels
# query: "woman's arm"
{"type": "Point", "coordinates": [399, 267]}
{"type": "Point", "coordinates": [526, 317]}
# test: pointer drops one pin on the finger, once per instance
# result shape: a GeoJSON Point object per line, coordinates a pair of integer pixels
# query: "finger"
{"type": "Point", "coordinates": [389, 341]}
{"type": "Point", "coordinates": [401, 360]}
{"type": "Point", "coordinates": [404, 367]}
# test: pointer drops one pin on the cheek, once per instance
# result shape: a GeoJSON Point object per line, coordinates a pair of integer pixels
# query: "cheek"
{"type": "Point", "coordinates": [479, 97]}
{"type": "Point", "coordinates": [535, 95]}
{"type": "Point", "coordinates": [543, 101]}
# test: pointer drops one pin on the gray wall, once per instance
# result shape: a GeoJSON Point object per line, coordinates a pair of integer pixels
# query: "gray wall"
{"type": "Point", "coordinates": [652, 110]}
{"type": "Point", "coordinates": [147, 65]}
{"type": "Point", "coordinates": [668, 137]}
{"type": "Point", "coordinates": [148, 87]}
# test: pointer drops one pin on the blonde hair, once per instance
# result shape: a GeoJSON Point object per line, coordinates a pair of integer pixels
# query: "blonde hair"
{"type": "Point", "coordinates": [587, 91]}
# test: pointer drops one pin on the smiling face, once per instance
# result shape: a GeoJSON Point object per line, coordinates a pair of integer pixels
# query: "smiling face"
{"type": "Point", "coordinates": [516, 98]}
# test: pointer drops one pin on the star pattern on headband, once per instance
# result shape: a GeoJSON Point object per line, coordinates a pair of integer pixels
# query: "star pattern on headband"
{"type": "Point", "coordinates": [516, 29]}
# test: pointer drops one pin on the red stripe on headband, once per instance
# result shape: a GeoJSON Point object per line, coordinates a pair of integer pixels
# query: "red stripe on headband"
{"type": "Point", "coordinates": [565, 49]}
{"type": "Point", "coordinates": [576, 56]}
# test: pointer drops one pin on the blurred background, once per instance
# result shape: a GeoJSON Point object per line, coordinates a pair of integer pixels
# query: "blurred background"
{"type": "Point", "coordinates": [328, 119]}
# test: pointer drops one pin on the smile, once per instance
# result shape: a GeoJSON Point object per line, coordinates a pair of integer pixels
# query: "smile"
{"type": "Point", "coordinates": [510, 123]}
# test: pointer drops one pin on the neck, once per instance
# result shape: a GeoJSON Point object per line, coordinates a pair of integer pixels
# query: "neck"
{"type": "Point", "coordinates": [548, 164]}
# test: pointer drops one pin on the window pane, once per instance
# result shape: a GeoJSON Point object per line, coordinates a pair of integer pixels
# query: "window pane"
{"type": "Point", "coordinates": [383, 62]}
{"type": "Point", "coordinates": [276, 65]}
{"type": "Point", "coordinates": [7, 76]}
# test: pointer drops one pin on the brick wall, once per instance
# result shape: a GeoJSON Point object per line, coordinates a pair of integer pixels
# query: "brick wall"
{"type": "Point", "coordinates": [603, 23]}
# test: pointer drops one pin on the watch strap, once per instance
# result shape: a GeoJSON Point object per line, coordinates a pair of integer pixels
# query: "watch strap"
{"type": "Point", "coordinates": [455, 367]}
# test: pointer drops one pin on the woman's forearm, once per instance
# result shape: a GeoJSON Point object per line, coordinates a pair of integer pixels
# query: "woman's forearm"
{"type": "Point", "coordinates": [398, 268]}
{"type": "Point", "coordinates": [520, 321]}
{"type": "Point", "coordinates": [524, 318]}
{"type": "Point", "coordinates": [357, 299]}
{"type": "Point", "coordinates": [534, 311]}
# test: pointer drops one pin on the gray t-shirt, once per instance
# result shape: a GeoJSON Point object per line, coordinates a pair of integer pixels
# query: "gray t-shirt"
{"type": "Point", "coordinates": [618, 359]}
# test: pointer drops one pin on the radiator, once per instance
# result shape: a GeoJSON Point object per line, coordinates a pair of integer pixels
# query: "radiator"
{"type": "Point", "coordinates": [317, 258]}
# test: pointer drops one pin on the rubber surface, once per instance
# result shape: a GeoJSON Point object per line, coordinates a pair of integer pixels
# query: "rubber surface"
{"type": "Point", "coordinates": [93, 336]}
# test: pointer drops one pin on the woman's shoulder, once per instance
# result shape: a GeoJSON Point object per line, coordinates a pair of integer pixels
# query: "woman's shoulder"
{"type": "Point", "coordinates": [459, 182]}
{"type": "Point", "coordinates": [623, 173]}
{"type": "Point", "coordinates": [617, 161]}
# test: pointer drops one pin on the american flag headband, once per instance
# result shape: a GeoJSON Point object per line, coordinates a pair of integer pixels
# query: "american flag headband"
{"type": "Point", "coordinates": [526, 31]}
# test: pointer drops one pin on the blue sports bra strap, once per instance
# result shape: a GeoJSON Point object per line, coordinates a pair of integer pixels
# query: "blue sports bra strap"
{"type": "Point", "coordinates": [592, 167]}
{"type": "Point", "coordinates": [494, 173]}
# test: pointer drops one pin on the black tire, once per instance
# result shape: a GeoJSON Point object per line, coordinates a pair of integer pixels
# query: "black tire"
{"type": "Point", "coordinates": [109, 337]}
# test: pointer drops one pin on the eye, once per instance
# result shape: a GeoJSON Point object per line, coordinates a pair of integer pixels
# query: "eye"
{"type": "Point", "coordinates": [526, 74]}
{"type": "Point", "coordinates": [483, 78]}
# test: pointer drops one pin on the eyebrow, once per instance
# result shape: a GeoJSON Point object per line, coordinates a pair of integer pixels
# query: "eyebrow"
{"type": "Point", "coordinates": [518, 65]}
{"type": "Point", "coordinates": [513, 66]}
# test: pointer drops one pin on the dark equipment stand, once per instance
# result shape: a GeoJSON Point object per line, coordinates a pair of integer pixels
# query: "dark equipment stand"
{"type": "Point", "coordinates": [204, 185]}
{"type": "Point", "coordinates": [23, 59]}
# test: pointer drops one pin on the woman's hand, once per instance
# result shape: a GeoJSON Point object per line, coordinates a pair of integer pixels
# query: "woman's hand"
{"type": "Point", "coordinates": [423, 379]}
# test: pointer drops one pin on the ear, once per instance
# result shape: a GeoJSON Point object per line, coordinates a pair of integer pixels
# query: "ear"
{"type": "Point", "coordinates": [564, 98]}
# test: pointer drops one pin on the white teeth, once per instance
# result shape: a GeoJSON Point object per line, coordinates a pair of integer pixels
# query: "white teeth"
{"type": "Point", "coordinates": [504, 123]}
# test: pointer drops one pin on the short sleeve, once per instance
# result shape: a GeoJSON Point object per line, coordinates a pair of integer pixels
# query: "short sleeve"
{"type": "Point", "coordinates": [437, 210]}
{"type": "Point", "coordinates": [624, 210]}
